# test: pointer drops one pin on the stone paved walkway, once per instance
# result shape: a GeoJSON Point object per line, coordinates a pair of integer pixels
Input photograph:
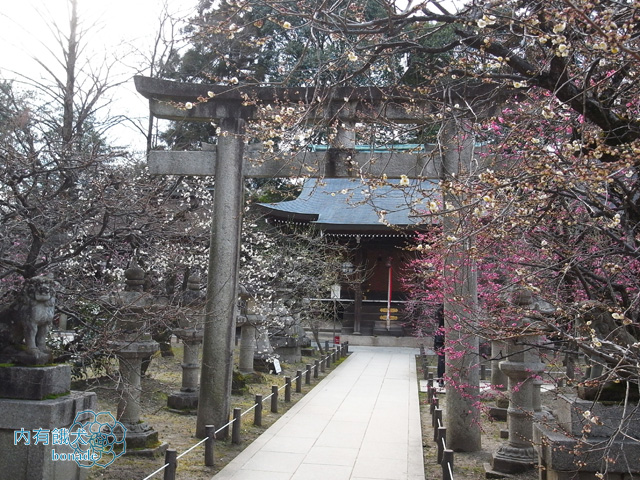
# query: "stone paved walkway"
{"type": "Point", "coordinates": [361, 422]}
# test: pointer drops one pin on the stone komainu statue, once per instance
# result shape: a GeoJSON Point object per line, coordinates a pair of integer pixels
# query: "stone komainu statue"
{"type": "Point", "coordinates": [25, 324]}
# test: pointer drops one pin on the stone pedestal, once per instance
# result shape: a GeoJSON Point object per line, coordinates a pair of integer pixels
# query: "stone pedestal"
{"type": "Point", "coordinates": [34, 383]}
{"type": "Point", "coordinates": [518, 454]}
{"type": "Point", "coordinates": [288, 349]}
{"type": "Point", "coordinates": [247, 347]}
{"type": "Point", "coordinates": [587, 438]}
{"type": "Point", "coordinates": [498, 382]}
{"type": "Point", "coordinates": [288, 343]}
{"type": "Point", "coordinates": [130, 355]}
{"type": "Point", "coordinates": [22, 460]}
{"type": "Point", "coordinates": [187, 398]}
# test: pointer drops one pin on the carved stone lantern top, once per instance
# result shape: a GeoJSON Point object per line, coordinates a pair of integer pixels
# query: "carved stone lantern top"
{"type": "Point", "coordinates": [134, 279]}
{"type": "Point", "coordinates": [522, 297]}
{"type": "Point", "coordinates": [193, 297]}
{"type": "Point", "coordinates": [131, 305]}
{"type": "Point", "coordinates": [193, 300]}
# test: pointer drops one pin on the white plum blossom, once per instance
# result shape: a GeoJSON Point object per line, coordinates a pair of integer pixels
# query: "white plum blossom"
{"type": "Point", "coordinates": [559, 27]}
{"type": "Point", "coordinates": [486, 20]}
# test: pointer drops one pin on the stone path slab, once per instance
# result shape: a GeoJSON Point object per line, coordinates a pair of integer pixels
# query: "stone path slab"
{"type": "Point", "coordinates": [361, 422]}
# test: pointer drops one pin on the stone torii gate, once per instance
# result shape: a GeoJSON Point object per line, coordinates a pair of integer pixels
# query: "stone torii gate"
{"type": "Point", "coordinates": [230, 162]}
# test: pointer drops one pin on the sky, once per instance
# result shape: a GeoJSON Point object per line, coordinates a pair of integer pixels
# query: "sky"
{"type": "Point", "coordinates": [118, 30]}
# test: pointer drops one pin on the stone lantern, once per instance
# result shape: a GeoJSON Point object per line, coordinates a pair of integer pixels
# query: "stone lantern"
{"type": "Point", "coordinates": [191, 332]}
{"type": "Point", "coordinates": [254, 338]}
{"type": "Point", "coordinates": [132, 345]}
{"type": "Point", "coordinates": [521, 367]}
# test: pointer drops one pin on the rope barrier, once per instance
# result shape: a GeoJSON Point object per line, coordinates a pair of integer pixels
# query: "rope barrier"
{"type": "Point", "coordinates": [194, 446]}
{"type": "Point", "coordinates": [224, 426]}
{"type": "Point", "coordinates": [249, 409]}
{"type": "Point", "coordinates": [157, 471]}
{"type": "Point", "coordinates": [444, 455]}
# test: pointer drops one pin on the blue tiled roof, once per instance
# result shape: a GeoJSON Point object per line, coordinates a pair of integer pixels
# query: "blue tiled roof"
{"type": "Point", "coordinates": [341, 203]}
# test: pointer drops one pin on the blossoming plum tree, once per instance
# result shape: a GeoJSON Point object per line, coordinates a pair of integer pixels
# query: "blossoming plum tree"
{"type": "Point", "coordinates": [556, 212]}
{"type": "Point", "coordinates": [552, 204]}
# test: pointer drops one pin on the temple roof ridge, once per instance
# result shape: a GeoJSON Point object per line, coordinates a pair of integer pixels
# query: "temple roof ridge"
{"type": "Point", "coordinates": [345, 204]}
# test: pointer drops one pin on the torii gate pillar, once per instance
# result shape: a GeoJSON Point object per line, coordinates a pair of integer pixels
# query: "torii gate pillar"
{"type": "Point", "coordinates": [460, 302]}
{"type": "Point", "coordinates": [222, 279]}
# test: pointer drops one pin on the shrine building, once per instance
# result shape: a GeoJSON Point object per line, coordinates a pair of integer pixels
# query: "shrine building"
{"type": "Point", "coordinates": [377, 220]}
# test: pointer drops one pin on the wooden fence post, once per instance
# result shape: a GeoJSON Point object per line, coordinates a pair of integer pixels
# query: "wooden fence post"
{"type": "Point", "coordinates": [430, 388]}
{"type": "Point", "coordinates": [235, 430]}
{"type": "Point", "coordinates": [274, 399]}
{"type": "Point", "coordinates": [210, 432]}
{"type": "Point", "coordinates": [442, 439]}
{"type": "Point", "coordinates": [437, 421]}
{"type": "Point", "coordinates": [257, 418]}
{"type": "Point", "coordinates": [287, 389]}
{"type": "Point", "coordinates": [171, 458]}
{"type": "Point", "coordinates": [307, 376]}
{"type": "Point", "coordinates": [298, 381]}
{"type": "Point", "coordinates": [447, 465]}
